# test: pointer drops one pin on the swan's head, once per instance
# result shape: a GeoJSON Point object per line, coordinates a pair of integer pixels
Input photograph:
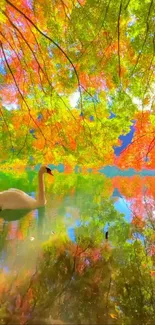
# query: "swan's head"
{"type": "Point", "coordinates": [46, 169]}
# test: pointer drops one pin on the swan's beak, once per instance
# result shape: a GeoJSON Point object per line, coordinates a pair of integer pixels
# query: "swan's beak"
{"type": "Point", "coordinates": [48, 170]}
{"type": "Point", "coordinates": [50, 173]}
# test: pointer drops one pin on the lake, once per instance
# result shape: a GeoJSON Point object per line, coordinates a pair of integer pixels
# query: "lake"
{"type": "Point", "coordinates": [88, 257]}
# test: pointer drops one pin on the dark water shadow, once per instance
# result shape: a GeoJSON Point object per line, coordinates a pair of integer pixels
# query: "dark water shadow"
{"type": "Point", "coordinates": [12, 215]}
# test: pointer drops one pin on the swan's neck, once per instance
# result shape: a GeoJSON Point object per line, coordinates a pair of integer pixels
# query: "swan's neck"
{"type": "Point", "coordinates": [41, 192]}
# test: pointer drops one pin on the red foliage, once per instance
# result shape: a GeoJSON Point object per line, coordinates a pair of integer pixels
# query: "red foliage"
{"type": "Point", "coordinates": [141, 152]}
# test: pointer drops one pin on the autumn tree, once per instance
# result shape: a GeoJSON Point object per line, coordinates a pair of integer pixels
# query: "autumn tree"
{"type": "Point", "coordinates": [101, 53]}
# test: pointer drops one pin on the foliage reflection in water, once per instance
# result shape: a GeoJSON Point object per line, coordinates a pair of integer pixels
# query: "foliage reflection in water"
{"type": "Point", "coordinates": [57, 267]}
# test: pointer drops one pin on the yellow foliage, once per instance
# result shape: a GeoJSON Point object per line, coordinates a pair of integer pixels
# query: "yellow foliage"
{"type": "Point", "coordinates": [113, 316]}
{"type": "Point", "coordinates": [2, 6]}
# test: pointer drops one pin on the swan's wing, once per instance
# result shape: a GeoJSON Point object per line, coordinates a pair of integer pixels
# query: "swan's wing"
{"type": "Point", "coordinates": [15, 190]}
{"type": "Point", "coordinates": [16, 199]}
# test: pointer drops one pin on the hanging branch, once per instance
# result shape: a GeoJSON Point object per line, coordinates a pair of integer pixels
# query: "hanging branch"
{"type": "Point", "coordinates": [31, 117]}
{"type": "Point", "coordinates": [136, 140]}
{"type": "Point", "coordinates": [126, 6]}
{"type": "Point", "coordinates": [5, 122]}
{"type": "Point", "coordinates": [118, 31]}
{"type": "Point", "coordinates": [64, 9]}
{"type": "Point", "coordinates": [39, 66]}
{"type": "Point", "coordinates": [22, 36]}
{"type": "Point", "coordinates": [45, 72]}
{"type": "Point", "coordinates": [51, 40]}
{"type": "Point", "coordinates": [23, 146]}
{"type": "Point", "coordinates": [102, 24]}
{"type": "Point", "coordinates": [21, 92]}
{"type": "Point", "coordinates": [14, 50]}
{"type": "Point", "coordinates": [150, 148]}
{"type": "Point", "coordinates": [25, 140]}
{"type": "Point", "coordinates": [145, 39]}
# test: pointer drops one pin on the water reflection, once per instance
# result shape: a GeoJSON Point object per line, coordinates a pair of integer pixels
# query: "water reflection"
{"type": "Point", "coordinates": [56, 265]}
{"type": "Point", "coordinates": [10, 215]}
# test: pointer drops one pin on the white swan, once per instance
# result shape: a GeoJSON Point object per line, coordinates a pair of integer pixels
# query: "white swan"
{"type": "Point", "coordinates": [13, 198]}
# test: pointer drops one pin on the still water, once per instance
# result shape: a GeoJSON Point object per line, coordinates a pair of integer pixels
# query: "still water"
{"type": "Point", "coordinates": [88, 257]}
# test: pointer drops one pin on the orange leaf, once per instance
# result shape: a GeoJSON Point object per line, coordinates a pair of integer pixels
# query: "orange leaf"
{"type": "Point", "coordinates": [113, 316]}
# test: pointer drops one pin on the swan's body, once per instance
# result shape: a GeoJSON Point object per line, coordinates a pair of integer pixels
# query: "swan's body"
{"type": "Point", "coordinates": [13, 198]}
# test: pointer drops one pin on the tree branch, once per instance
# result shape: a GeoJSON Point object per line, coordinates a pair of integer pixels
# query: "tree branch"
{"type": "Point", "coordinates": [118, 31]}
{"type": "Point", "coordinates": [51, 40]}
{"type": "Point", "coordinates": [21, 93]}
